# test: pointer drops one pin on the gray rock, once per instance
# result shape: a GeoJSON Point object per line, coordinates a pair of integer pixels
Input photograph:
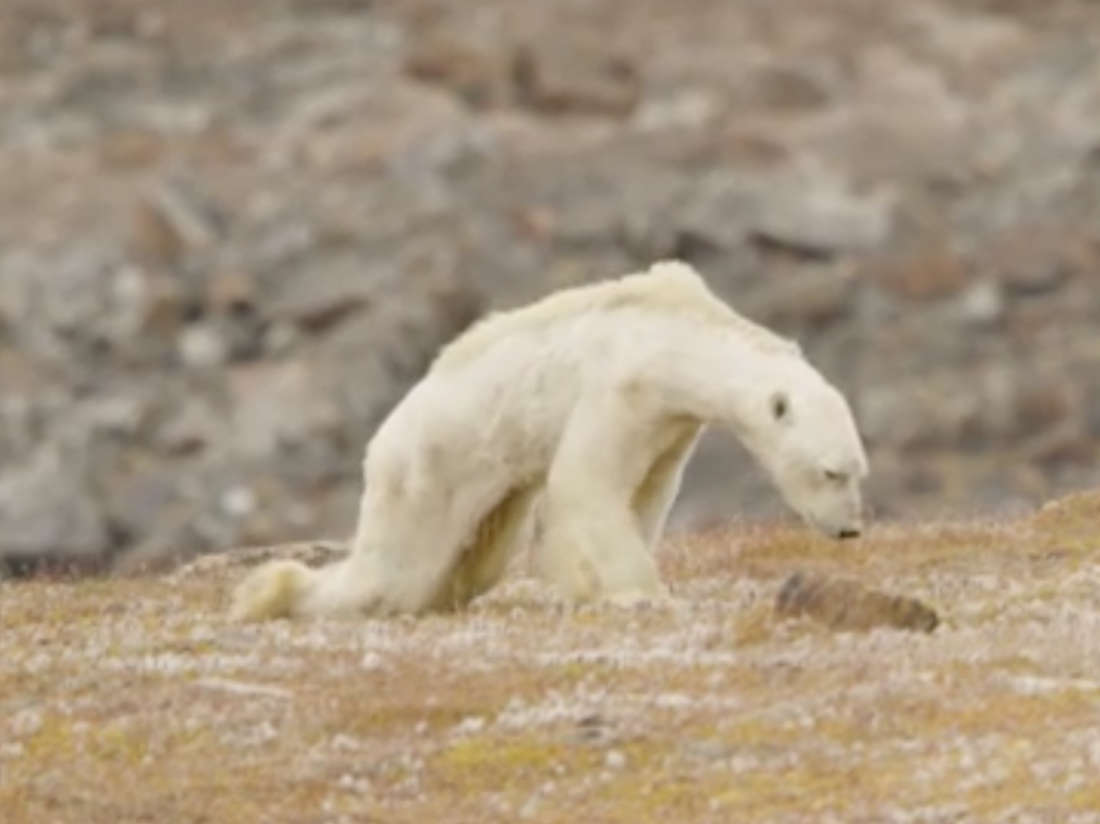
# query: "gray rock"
{"type": "Point", "coordinates": [816, 216]}
{"type": "Point", "coordinates": [190, 424]}
{"type": "Point", "coordinates": [169, 221]}
{"type": "Point", "coordinates": [806, 300]}
{"type": "Point", "coordinates": [580, 75]}
{"type": "Point", "coordinates": [475, 73]}
{"type": "Point", "coordinates": [336, 287]}
{"type": "Point", "coordinates": [202, 346]}
{"type": "Point", "coordinates": [151, 305]}
{"type": "Point", "coordinates": [49, 512]}
{"type": "Point", "coordinates": [982, 304]}
{"type": "Point", "coordinates": [786, 88]}
{"type": "Point", "coordinates": [280, 405]}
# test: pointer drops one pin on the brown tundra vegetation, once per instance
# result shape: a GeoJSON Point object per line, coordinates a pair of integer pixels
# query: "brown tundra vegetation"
{"type": "Point", "coordinates": [131, 699]}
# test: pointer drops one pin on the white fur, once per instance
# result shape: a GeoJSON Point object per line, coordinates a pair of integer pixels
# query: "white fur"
{"type": "Point", "coordinates": [572, 417]}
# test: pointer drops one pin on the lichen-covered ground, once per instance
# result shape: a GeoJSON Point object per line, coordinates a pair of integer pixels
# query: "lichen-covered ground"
{"type": "Point", "coordinates": [132, 699]}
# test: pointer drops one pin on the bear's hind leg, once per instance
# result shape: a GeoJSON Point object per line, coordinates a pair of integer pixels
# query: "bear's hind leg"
{"type": "Point", "coordinates": [499, 536]}
{"type": "Point", "coordinates": [405, 553]}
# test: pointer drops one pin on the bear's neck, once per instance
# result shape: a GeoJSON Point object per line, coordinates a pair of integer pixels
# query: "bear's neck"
{"type": "Point", "coordinates": [715, 375]}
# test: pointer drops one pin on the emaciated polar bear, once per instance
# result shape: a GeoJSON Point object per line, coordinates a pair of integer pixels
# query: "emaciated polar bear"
{"type": "Point", "coordinates": [576, 413]}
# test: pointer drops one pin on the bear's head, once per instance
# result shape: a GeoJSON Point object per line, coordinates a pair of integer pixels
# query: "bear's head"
{"type": "Point", "coordinates": [805, 436]}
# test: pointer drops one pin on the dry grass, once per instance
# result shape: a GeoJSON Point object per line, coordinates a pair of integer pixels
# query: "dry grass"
{"type": "Point", "coordinates": [131, 699]}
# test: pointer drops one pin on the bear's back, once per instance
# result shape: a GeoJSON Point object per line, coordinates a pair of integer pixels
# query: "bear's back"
{"type": "Point", "coordinates": [668, 288]}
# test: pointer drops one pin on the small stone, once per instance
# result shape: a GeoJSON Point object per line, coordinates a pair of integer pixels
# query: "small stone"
{"type": "Point", "coordinates": [371, 661]}
{"type": "Point", "coordinates": [932, 269]}
{"type": "Point", "coordinates": [812, 299]}
{"type": "Point", "coordinates": [233, 294]}
{"type": "Point", "coordinates": [1037, 257]}
{"type": "Point", "coordinates": [471, 724]}
{"type": "Point", "coordinates": [131, 148]}
{"type": "Point", "coordinates": [469, 71]}
{"type": "Point", "coordinates": [299, 515]}
{"type": "Point", "coordinates": [786, 88]}
{"type": "Point", "coordinates": [614, 760]}
{"type": "Point", "coordinates": [555, 78]}
{"type": "Point", "coordinates": [238, 501]}
{"type": "Point", "coordinates": [129, 284]}
{"type": "Point", "coordinates": [118, 415]}
{"type": "Point", "coordinates": [155, 304]}
{"type": "Point", "coordinates": [321, 302]}
{"type": "Point", "coordinates": [1034, 262]}
{"type": "Point", "coordinates": [530, 808]}
{"type": "Point", "coordinates": [26, 723]}
{"type": "Point", "coordinates": [193, 425]}
{"type": "Point", "coordinates": [1064, 443]}
{"type": "Point", "coordinates": [167, 224]}
{"type": "Point", "coordinates": [201, 347]}
{"type": "Point", "coordinates": [820, 218]}
{"type": "Point", "coordinates": [280, 337]}
{"type": "Point", "coordinates": [752, 149]}
{"type": "Point", "coordinates": [150, 24]}
{"type": "Point", "coordinates": [592, 728]}
{"type": "Point", "coordinates": [1094, 753]}
{"type": "Point", "coordinates": [690, 109]}
{"type": "Point", "coordinates": [1045, 401]}
{"type": "Point", "coordinates": [1035, 277]}
{"type": "Point", "coordinates": [708, 749]}
{"type": "Point", "coordinates": [983, 303]}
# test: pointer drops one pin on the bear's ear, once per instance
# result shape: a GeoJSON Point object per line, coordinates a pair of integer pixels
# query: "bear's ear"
{"type": "Point", "coordinates": [780, 405]}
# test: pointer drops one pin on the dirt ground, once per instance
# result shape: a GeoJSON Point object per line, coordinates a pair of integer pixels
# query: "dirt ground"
{"type": "Point", "coordinates": [131, 699]}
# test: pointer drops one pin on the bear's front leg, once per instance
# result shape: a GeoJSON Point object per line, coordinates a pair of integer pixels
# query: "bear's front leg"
{"type": "Point", "coordinates": [591, 546]}
{"type": "Point", "coordinates": [591, 549]}
{"type": "Point", "coordinates": [655, 495]}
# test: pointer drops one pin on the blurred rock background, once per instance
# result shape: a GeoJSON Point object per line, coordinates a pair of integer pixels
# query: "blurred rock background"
{"type": "Point", "coordinates": [233, 234]}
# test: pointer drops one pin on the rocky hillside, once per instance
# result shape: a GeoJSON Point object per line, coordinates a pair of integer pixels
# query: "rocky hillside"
{"type": "Point", "coordinates": [233, 234]}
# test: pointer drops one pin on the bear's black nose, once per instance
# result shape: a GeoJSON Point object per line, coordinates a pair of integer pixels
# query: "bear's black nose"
{"type": "Point", "coordinates": [848, 533]}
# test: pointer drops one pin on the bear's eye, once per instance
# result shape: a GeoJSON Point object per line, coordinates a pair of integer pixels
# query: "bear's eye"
{"type": "Point", "coordinates": [779, 406]}
{"type": "Point", "coordinates": [832, 476]}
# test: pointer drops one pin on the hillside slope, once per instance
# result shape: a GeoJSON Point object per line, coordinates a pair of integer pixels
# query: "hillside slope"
{"type": "Point", "coordinates": [132, 699]}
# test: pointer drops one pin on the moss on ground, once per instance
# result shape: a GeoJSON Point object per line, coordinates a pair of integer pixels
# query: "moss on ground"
{"type": "Point", "coordinates": [131, 699]}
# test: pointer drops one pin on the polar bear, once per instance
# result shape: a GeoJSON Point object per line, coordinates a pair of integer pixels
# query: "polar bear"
{"type": "Point", "coordinates": [566, 425]}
